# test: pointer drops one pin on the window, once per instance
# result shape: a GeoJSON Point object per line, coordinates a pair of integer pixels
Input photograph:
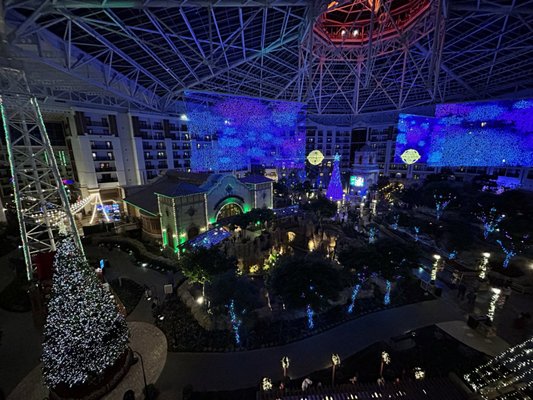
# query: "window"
{"type": "Point", "coordinates": [110, 155]}
{"type": "Point", "coordinates": [94, 155]}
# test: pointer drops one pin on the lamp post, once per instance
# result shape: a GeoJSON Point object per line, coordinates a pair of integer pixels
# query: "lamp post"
{"type": "Point", "coordinates": [285, 362]}
{"type": "Point", "coordinates": [385, 359]}
{"type": "Point", "coordinates": [483, 267]}
{"type": "Point", "coordinates": [435, 268]}
{"type": "Point", "coordinates": [493, 301]}
{"type": "Point", "coordinates": [335, 360]}
{"type": "Point", "coordinates": [146, 394]}
{"type": "Point", "coordinates": [419, 374]}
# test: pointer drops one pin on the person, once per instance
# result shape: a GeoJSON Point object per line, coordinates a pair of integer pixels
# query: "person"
{"type": "Point", "coordinates": [507, 292]}
{"type": "Point", "coordinates": [471, 297]}
{"type": "Point", "coordinates": [306, 383]}
{"type": "Point", "coordinates": [461, 290]}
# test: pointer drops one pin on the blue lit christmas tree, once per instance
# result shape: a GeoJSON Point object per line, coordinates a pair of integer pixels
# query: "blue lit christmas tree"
{"type": "Point", "coordinates": [335, 192]}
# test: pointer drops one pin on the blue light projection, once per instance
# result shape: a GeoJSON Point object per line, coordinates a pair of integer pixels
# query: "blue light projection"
{"type": "Point", "coordinates": [498, 133]}
{"type": "Point", "coordinates": [210, 238]}
{"type": "Point", "coordinates": [233, 133]}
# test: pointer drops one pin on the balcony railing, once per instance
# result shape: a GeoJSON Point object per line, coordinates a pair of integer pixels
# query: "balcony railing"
{"type": "Point", "coordinates": [108, 180]}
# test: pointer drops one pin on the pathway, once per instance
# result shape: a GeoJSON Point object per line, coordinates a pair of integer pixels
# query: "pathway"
{"type": "Point", "coordinates": [234, 370]}
{"type": "Point", "coordinates": [17, 332]}
{"type": "Point", "coordinates": [145, 338]}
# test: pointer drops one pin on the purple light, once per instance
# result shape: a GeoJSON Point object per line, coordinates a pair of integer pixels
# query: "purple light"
{"type": "Point", "coordinates": [334, 191]}
{"type": "Point", "coordinates": [497, 133]}
{"type": "Point", "coordinates": [233, 133]}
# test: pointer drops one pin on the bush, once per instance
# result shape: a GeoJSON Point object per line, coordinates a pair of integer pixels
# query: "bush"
{"type": "Point", "coordinates": [129, 293]}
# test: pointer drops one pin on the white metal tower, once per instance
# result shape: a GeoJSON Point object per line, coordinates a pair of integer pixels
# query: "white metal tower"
{"type": "Point", "coordinates": [40, 197]}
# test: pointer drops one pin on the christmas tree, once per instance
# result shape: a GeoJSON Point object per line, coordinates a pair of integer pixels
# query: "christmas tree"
{"type": "Point", "coordinates": [334, 192]}
{"type": "Point", "coordinates": [84, 332]}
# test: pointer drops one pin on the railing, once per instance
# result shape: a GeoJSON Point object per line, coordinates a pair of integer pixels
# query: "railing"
{"type": "Point", "coordinates": [107, 180]}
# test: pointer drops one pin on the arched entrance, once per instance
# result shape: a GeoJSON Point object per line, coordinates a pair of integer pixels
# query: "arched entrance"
{"type": "Point", "coordinates": [229, 210]}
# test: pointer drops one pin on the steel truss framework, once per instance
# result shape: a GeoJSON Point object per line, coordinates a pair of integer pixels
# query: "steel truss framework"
{"type": "Point", "coordinates": [39, 194]}
{"type": "Point", "coordinates": [146, 54]}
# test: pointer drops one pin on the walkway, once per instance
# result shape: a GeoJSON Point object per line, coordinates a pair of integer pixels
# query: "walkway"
{"type": "Point", "coordinates": [234, 370]}
{"type": "Point", "coordinates": [123, 266]}
{"type": "Point", "coordinates": [17, 332]}
{"type": "Point", "coordinates": [145, 338]}
{"type": "Point", "coordinates": [228, 371]}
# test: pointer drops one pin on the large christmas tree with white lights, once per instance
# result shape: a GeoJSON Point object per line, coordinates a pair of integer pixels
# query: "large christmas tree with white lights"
{"type": "Point", "coordinates": [84, 332]}
{"type": "Point", "coordinates": [334, 191]}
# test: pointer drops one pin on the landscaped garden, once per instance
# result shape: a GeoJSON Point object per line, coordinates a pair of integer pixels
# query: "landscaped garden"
{"type": "Point", "coordinates": [317, 279]}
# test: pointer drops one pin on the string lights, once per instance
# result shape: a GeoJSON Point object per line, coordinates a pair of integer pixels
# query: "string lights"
{"type": "Point", "coordinates": [386, 298]}
{"type": "Point", "coordinates": [491, 221]}
{"type": "Point", "coordinates": [84, 333]}
{"type": "Point", "coordinates": [310, 315]}
{"type": "Point", "coordinates": [235, 322]}
{"type": "Point", "coordinates": [335, 192]}
{"type": "Point", "coordinates": [508, 375]}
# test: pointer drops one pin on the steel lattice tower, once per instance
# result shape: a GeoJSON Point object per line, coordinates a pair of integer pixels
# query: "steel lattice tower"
{"type": "Point", "coordinates": [40, 197]}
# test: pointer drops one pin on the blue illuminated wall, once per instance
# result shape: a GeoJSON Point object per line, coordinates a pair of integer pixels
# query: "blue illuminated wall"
{"type": "Point", "coordinates": [498, 133]}
{"type": "Point", "coordinates": [234, 133]}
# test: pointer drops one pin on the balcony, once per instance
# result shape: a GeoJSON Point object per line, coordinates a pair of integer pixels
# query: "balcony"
{"type": "Point", "coordinates": [163, 157]}
{"type": "Point", "coordinates": [96, 123]}
{"type": "Point", "coordinates": [150, 166]}
{"type": "Point", "coordinates": [107, 179]}
{"type": "Point", "coordinates": [147, 146]}
{"type": "Point", "coordinates": [105, 169]}
{"type": "Point", "coordinates": [148, 157]}
{"type": "Point", "coordinates": [101, 147]}
{"type": "Point", "coordinates": [102, 158]}
{"type": "Point", "coordinates": [162, 166]}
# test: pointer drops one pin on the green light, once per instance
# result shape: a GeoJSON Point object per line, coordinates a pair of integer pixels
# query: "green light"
{"type": "Point", "coordinates": [165, 238]}
{"type": "Point", "coordinates": [212, 220]}
{"type": "Point", "coordinates": [246, 208]}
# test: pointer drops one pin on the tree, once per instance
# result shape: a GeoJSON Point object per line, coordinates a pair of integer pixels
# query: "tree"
{"type": "Point", "coordinates": [334, 191]}
{"type": "Point", "coordinates": [200, 264]}
{"type": "Point", "coordinates": [321, 207]}
{"type": "Point", "coordinates": [227, 287]}
{"type": "Point", "coordinates": [385, 257]}
{"type": "Point", "coordinates": [84, 332]}
{"type": "Point", "coordinates": [256, 216]}
{"type": "Point", "coordinates": [303, 281]}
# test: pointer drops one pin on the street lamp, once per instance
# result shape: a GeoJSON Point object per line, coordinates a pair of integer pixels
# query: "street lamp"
{"type": "Point", "coordinates": [266, 384]}
{"type": "Point", "coordinates": [493, 301]}
{"type": "Point", "coordinates": [483, 267]}
{"type": "Point", "coordinates": [285, 362]}
{"type": "Point", "coordinates": [385, 359]}
{"type": "Point", "coordinates": [335, 361]}
{"type": "Point", "coordinates": [146, 393]}
{"type": "Point", "coordinates": [419, 373]}
{"type": "Point", "coordinates": [434, 268]}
